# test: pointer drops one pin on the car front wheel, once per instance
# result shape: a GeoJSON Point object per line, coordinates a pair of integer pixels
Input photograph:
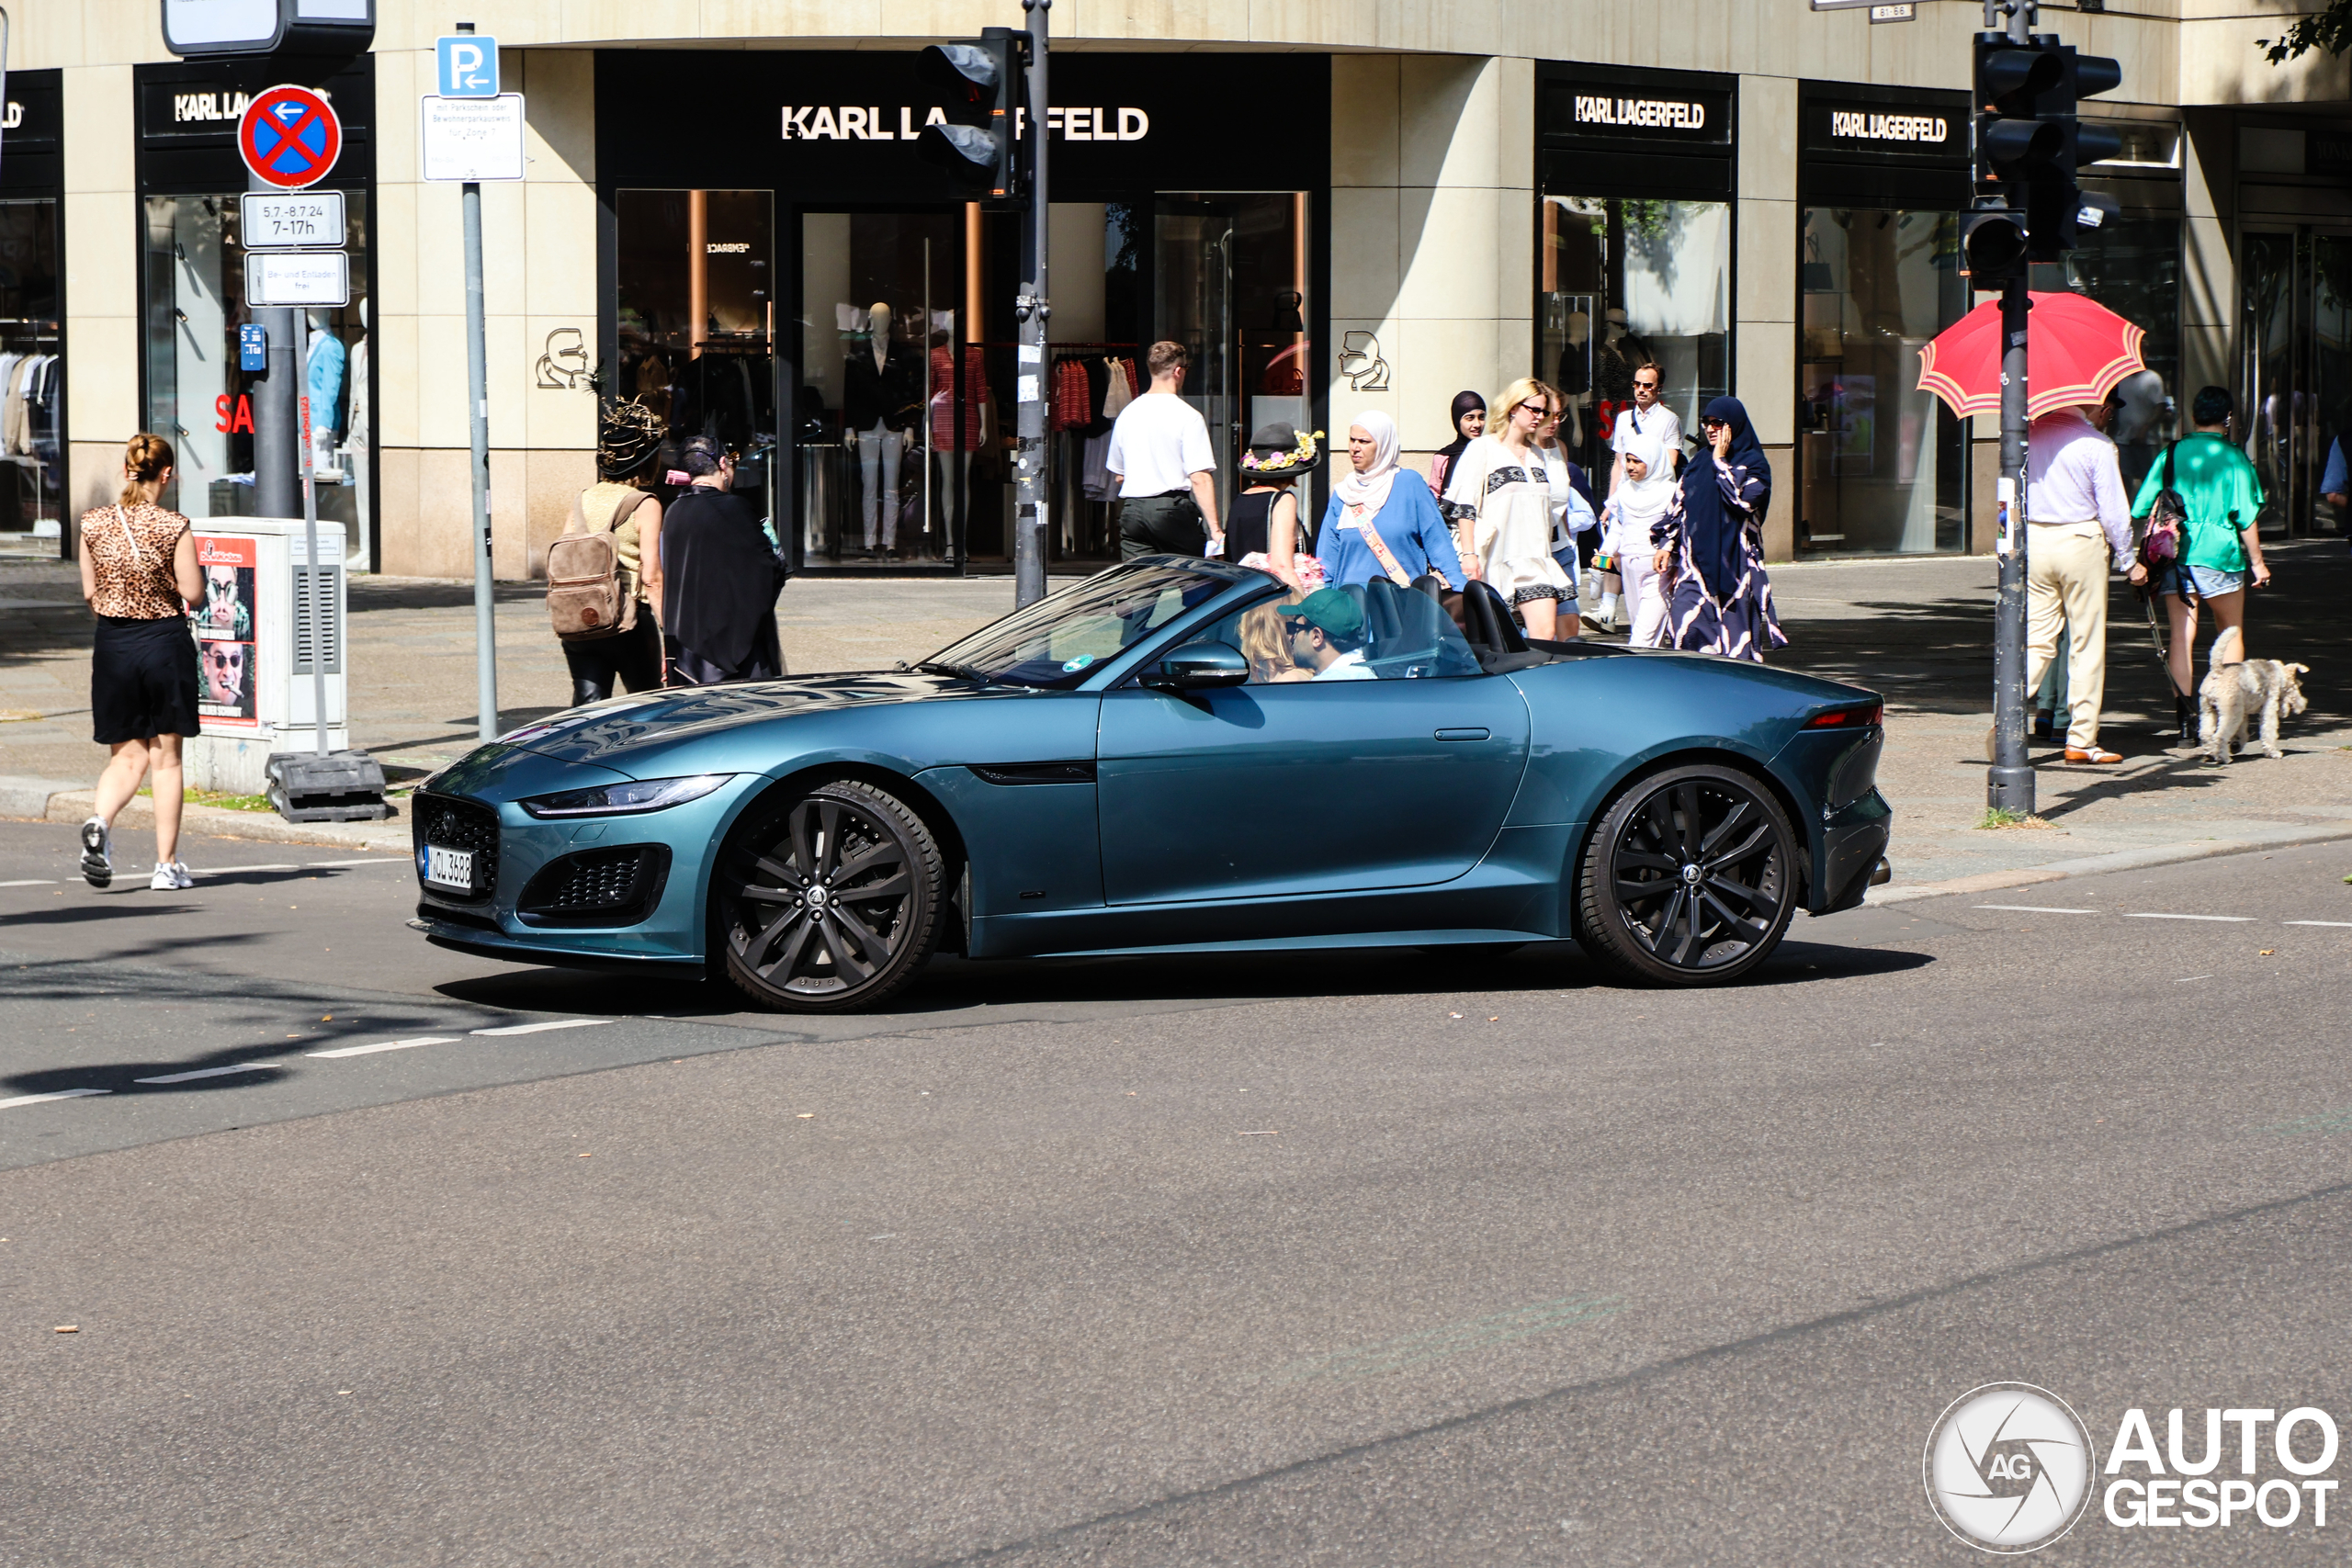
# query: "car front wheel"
{"type": "Point", "coordinates": [829, 901]}
{"type": "Point", "coordinates": [1689, 879]}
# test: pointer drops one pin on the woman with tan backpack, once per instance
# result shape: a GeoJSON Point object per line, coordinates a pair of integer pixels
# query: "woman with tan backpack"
{"type": "Point", "coordinates": [605, 570]}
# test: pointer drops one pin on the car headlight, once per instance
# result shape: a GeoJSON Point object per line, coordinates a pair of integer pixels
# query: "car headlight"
{"type": "Point", "coordinates": [616, 799]}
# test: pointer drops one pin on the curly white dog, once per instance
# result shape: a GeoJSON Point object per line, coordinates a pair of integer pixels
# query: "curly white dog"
{"type": "Point", "coordinates": [2235, 688]}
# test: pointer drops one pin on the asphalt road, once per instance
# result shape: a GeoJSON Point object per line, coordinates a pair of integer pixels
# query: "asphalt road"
{"type": "Point", "coordinates": [1360, 1261]}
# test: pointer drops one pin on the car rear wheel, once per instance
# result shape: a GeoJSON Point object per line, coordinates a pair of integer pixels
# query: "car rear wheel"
{"type": "Point", "coordinates": [1691, 878]}
{"type": "Point", "coordinates": [829, 901]}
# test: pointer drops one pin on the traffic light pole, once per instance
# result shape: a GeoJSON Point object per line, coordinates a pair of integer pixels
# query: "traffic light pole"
{"type": "Point", "coordinates": [1030, 306]}
{"type": "Point", "coordinates": [2010, 785]}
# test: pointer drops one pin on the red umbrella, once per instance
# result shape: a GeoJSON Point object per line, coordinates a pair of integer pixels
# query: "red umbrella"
{"type": "Point", "coordinates": [2076, 350]}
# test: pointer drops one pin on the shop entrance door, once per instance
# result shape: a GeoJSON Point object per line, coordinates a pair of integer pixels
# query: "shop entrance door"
{"type": "Point", "coordinates": [1195, 308]}
{"type": "Point", "coordinates": [2295, 374]}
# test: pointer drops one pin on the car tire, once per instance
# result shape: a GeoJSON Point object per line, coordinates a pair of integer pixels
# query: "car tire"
{"type": "Point", "coordinates": [1689, 879]}
{"type": "Point", "coordinates": [828, 899]}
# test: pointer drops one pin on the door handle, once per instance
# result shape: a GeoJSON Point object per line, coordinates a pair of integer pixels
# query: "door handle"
{"type": "Point", "coordinates": [1461, 734]}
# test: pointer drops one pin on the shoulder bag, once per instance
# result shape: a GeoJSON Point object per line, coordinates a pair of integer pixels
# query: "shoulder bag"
{"type": "Point", "coordinates": [2166, 543]}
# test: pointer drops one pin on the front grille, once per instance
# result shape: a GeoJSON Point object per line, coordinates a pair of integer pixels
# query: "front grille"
{"type": "Point", "coordinates": [616, 887]}
{"type": "Point", "coordinates": [457, 824]}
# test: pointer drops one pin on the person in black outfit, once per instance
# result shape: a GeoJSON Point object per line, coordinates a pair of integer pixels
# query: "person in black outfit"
{"type": "Point", "coordinates": [719, 577]}
{"type": "Point", "coordinates": [1263, 529]}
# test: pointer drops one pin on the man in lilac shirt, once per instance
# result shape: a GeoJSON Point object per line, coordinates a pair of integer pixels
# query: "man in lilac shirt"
{"type": "Point", "coordinates": [2079, 521]}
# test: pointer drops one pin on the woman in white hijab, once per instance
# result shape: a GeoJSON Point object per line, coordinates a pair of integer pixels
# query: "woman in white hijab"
{"type": "Point", "coordinates": [1382, 521]}
{"type": "Point", "coordinates": [1639, 502]}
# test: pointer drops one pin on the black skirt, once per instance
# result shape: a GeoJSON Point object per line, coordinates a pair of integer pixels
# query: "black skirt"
{"type": "Point", "coordinates": [143, 680]}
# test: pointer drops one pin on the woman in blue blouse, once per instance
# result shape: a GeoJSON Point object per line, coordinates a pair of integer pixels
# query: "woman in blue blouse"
{"type": "Point", "coordinates": [1382, 521]}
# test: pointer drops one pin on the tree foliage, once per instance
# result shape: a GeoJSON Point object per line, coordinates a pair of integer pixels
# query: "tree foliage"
{"type": "Point", "coordinates": [2329, 28]}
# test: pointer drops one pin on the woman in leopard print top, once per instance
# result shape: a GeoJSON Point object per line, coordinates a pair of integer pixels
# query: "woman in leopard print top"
{"type": "Point", "coordinates": [140, 575]}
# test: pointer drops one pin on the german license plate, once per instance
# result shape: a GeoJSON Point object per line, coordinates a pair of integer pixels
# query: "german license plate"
{"type": "Point", "coordinates": [449, 868]}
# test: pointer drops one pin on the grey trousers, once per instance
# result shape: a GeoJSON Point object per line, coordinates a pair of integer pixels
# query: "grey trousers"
{"type": "Point", "coordinates": [1161, 524]}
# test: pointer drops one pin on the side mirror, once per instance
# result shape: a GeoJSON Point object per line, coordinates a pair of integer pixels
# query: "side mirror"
{"type": "Point", "coordinates": [1198, 664]}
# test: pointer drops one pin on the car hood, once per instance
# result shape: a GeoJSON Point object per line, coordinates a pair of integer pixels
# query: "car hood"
{"type": "Point", "coordinates": [609, 733]}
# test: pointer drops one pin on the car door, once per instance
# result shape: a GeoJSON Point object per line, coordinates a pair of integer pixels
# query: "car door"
{"type": "Point", "coordinates": [1309, 786]}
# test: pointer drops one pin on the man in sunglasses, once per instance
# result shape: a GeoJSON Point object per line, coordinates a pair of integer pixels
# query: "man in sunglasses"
{"type": "Point", "coordinates": [1324, 634]}
{"type": "Point", "coordinates": [1647, 416]}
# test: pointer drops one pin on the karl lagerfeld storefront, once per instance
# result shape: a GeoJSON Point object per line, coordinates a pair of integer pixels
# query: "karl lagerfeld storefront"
{"type": "Point", "coordinates": [1883, 468]}
{"type": "Point", "coordinates": [779, 269]}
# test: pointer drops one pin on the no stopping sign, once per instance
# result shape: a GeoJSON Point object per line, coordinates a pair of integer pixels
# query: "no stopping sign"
{"type": "Point", "coordinates": [289, 137]}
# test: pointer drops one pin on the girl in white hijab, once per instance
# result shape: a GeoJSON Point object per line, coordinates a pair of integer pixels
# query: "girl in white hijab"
{"type": "Point", "coordinates": [1627, 518]}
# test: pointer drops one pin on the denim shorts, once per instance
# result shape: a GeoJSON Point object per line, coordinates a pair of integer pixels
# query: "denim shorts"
{"type": "Point", "coordinates": [2211, 583]}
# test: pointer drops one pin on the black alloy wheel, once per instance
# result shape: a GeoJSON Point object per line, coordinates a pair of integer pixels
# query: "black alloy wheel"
{"type": "Point", "coordinates": [829, 901]}
{"type": "Point", "coordinates": [1691, 879]}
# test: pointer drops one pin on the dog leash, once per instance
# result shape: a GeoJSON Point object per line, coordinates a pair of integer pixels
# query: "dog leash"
{"type": "Point", "coordinates": [2156, 637]}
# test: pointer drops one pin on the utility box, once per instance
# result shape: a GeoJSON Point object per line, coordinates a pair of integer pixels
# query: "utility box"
{"type": "Point", "coordinates": [267, 614]}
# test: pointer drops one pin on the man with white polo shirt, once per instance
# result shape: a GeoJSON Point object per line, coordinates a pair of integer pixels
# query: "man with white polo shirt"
{"type": "Point", "coordinates": [1164, 465]}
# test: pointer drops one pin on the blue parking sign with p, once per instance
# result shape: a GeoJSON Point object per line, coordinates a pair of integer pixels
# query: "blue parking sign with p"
{"type": "Point", "coordinates": [468, 66]}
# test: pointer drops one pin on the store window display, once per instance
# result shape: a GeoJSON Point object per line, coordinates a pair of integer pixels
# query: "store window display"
{"type": "Point", "coordinates": [32, 370]}
{"type": "Point", "coordinates": [200, 400]}
{"type": "Point", "coordinates": [1627, 282]}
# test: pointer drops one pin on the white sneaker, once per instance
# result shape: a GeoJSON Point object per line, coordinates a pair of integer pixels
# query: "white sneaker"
{"type": "Point", "coordinates": [170, 876]}
{"type": "Point", "coordinates": [98, 853]}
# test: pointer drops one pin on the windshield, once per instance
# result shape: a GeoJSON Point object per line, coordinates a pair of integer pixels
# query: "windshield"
{"type": "Point", "coordinates": [1061, 639]}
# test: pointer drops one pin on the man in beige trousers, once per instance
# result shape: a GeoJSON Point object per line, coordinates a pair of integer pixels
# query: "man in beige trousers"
{"type": "Point", "coordinates": [2079, 523]}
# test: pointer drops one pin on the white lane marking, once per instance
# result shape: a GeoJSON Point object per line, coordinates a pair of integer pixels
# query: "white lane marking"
{"type": "Point", "coordinates": [2185, 979]}
{"type": "Point", "coordinates": [232, 870]}
{"type": "Point", "coordinates": [59, 1094]}
{"type": "Point", "coordinates": [212, 1072]}
{"type": "Point", "coordinates": [382, 1045]}
{"type": "Point", "coordinates": [2234, 919]}
{"type": "Point", "coordinates": [2342, 924]}
{"type": "Point", "coordinates": [381, 860]}
{"type": "Point", "coordinates": [2037, 909]}
{"type": "Point", "coordinates": [35, 882]}
{"type": "Point", "coordinates": [543, 1028]}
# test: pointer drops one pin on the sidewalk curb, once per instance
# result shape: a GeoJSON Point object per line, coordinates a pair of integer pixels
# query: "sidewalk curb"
{"type": "Point", "coordinates": [28, 797]}
{"type": "Point", "coordinates": [73, 806]}
{"type": "Point", "coordinates": [2123, 860]}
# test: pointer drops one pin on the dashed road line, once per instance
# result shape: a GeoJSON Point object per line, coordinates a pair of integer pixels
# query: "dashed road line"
{"type": "Point", "coordinates": [543, 1028]}
{"type": "Point", "coordinates": [2037, 909]}
{"type": "Point", "coordinates": [57, 1094]}
{"type": "Point", "coordinates": [335, 864]}
{"type": "Point", "coordinates": [33, 882]}
{"type": "Point", "coordinates": [2234, 919]}
{"type": "Point", "coordinates": [212, 1072]}
{"type": "Point", "coordinates": [232, 870]}
{"type": "Point", "coordinates": [2340, 925]}
{"type": "Point", "coordinates": [341, 1051]}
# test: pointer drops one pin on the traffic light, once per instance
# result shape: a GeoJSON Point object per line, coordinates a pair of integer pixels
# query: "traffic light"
{"type": "Point", "coordinates": [980, 78]}
{"type": "Point", "coordinates": [2031, 145]}
{"type": "Point", "coordinates": [1992, 244]}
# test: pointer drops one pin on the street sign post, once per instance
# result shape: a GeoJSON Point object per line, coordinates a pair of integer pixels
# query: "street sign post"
{"type": "Point", "coordinates": [472, 139]}
{"type": "Point", "coordinates": [310, 220]}
{"type": "Point", "coordinates": [289, 137]}
{"type": "Point", "coordinates": [466, 66]}
{"type": "Point", "coordinates": [299, 280]}
{"type": "Point", "coordinates": [467, 140]}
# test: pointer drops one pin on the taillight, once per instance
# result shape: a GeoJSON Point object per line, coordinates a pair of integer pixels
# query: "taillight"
{"type": "Point", "coordinates": [1848, 719]}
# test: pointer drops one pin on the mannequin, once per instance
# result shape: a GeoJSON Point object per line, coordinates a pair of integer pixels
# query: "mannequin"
{"type": "Point", "coordinates": [955, 434]}
{"type": "Point", "coordinates": [322, 377]}
{"type": "Point", "coordinates": [881, 397]}
{"type": "Point", "coordinates": [355, 437]}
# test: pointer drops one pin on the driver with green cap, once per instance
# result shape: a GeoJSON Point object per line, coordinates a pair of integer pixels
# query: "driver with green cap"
{"type": "Point", "coordinates": [1325, 632]}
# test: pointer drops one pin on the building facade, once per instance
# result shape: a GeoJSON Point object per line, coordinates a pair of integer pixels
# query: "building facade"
{"type": "Point", "coordinates": [1338, 207]}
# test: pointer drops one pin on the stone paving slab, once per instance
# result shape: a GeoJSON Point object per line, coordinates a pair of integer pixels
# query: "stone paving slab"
{"type": "Point", "coordinates": [1917, 631]}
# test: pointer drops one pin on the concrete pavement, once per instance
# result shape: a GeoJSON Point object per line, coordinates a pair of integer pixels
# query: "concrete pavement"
{"type": "Point", "coordinates": [1481, 1264]}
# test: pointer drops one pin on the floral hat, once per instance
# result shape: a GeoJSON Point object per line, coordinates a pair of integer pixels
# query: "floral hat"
{"type": "Point", "coordinates": [1278, 451]}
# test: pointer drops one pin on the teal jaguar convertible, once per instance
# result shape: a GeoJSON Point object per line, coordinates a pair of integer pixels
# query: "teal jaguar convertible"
{"type": "Point", "coordinates": [1171, 756]}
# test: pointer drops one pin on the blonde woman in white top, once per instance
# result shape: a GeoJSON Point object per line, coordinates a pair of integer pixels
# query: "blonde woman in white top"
{"type": "Point", "coordinates": [1500, 500]}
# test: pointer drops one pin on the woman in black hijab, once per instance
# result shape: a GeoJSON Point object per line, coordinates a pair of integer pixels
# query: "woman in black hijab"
{"type": "Point", "coordinates": [1711, 543]}
{"type": "Point", "coordinates": [719, 577]}
{"type": "Point", "coordinates": [1469, 423]}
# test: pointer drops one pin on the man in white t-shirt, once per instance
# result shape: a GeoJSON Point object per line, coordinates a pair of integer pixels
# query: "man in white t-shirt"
{"type": "Point", "coordinates": [1164, 467]}
{"type": "Point", "coordinates": [1646, 417]}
